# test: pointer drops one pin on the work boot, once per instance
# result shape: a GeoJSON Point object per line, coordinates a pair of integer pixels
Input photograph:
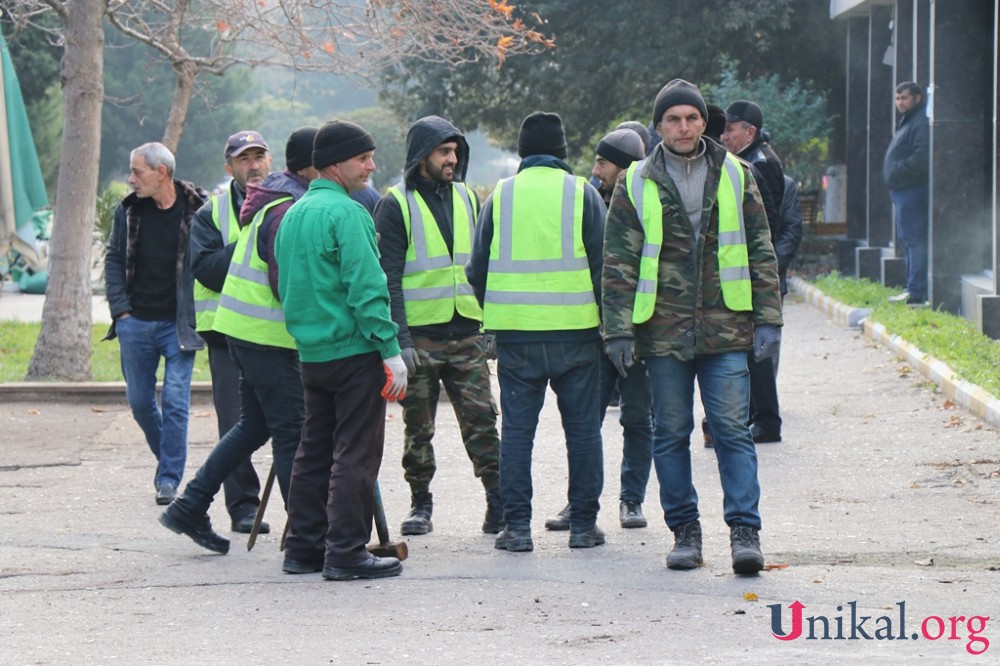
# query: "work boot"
{"type": "Point", "coordinates": [198, 528]}
{"type": "Point", "coordinates": [686, 553]}
{"type": "Point", "coordinates": [514, 540]}
{"type": "Point", "coordinates": [493, 522]}
{"type": "Point", "coordinates": [745, 544]}
{"type": "Point", "coordinates": [630, 514]}
{"type": "Point", "coordinates": [707, 434]}
{"type": "Point", "coordinates": [419, 520]}
{"type": "Point", "coordinates": [558, 522]}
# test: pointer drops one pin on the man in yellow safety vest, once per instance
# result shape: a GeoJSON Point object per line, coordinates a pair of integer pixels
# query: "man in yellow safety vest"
{"type": "Point", "coordinates": [690, 286]}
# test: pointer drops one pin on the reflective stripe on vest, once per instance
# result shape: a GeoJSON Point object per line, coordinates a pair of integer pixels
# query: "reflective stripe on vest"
{"type": "Point", "coordinates": [539, 275]}
{"type": "Point", "coordinates": [248, 309]}
{"type": "Point", "coordinates": [206, 301]}
{"type": "Point", "coordinates": [434, 281]}
{"type": "Point", "coordinates": [734, 262]}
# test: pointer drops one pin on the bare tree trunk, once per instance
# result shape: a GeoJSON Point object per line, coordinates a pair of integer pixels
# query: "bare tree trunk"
{"type": "Point", "coordinates": [183, 89]}
{"type": "Point", "coordinates": [63, 347]}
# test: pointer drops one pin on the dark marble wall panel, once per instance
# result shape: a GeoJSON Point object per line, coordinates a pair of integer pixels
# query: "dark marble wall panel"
{"type": "Point", "coordinates": [857, 129]}
{"type": "Point", "coordinates": [962, 76]}
{"type": "Point", "coordinates": [880, 127]}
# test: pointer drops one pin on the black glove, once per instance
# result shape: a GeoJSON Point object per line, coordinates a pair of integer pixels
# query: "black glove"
{"type": "Point", "coordinates": [619, 350]}
{"type": "Point", "coordinates": [766, 342]}
{"type": "Point", "coordinates": [410, 359]}
{"type": "Point", "coordinates": [490, 345]}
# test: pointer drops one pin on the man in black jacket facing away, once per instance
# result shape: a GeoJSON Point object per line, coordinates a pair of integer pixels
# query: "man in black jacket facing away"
{"type": "Point", "coordinates": [744, 122]}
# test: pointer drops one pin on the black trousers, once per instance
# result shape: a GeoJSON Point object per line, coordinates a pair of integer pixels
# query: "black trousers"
{"type": "Point", "coordinates": [764, 411]}
{"type": "Point", "coordinates": [331, 501]}
{"type": "Point", "coordinates": [242, 487]}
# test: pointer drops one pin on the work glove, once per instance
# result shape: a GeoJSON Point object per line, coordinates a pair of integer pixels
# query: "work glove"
{"type": "Point", "coordinates": [766, 342]}
{"type": "Point", "coordinates": [619, 350]}
{"type": "Point", "coordinates": [395, 378]}
{"type": "Point", "coordinates": [490, 345]}
{"type": "Point", "coordinates": [411, 359]}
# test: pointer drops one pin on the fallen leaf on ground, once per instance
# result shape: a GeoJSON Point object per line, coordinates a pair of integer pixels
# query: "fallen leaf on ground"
{"type": "Point", "coordinates": [749, 596]}
{"type": "Point", "coordinates": [775, 565]}
{"type": "Point", "coordinates": [99, 410]}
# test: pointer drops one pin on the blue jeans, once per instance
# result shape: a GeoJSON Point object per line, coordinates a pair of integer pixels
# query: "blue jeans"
{"type": "Point", "coordinates": [271, 407]}
{"type": "Point", "coordinates": [911, 233]}
{"type": "Point", "coordinates": [725, 393]}
{"type": "Point", "coordinates": [165, 425]}
{"type": "Point", "coordinates": [525, 371]}
{"type": "Point", "coordinates": [637, 425]}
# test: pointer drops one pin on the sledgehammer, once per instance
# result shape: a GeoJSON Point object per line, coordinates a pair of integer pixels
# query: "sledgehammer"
{"type": "Point", "coordinates": [385, 548]}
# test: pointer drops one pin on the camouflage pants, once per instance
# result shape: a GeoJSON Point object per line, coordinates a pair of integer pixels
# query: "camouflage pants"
{"type": "Point", "coordinates": [461, 366]}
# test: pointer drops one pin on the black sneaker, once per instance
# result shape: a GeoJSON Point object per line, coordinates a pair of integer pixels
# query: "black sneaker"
{"type": "Point", "coordinates": [686, 553]}
{"type": "Point", "coordinates": [493, 521]}
{"type": "Point", "coordinates": [514, 540]}
{"type": "Point", "coordinates": [558, 522]}
{"type": "Point", "coordinates": [745, 544]}
{"type": "Point", "coordinates": [592, 537]}
{"type": "Point", "coordinates": [419, 519]}
{"type": "Point", "coordinates": [198, 528]}
{"type": "Point", "coordinates": [630, 514]}
{"type": "Point", "coordinates": [165, 493]}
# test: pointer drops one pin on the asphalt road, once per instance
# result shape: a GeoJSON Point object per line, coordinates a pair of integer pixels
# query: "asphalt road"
{"type": "Point", "coordinates": [882, 494]}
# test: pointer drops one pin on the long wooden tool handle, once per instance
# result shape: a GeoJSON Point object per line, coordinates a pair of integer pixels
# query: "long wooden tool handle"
{"type": "Point", "coordinates": [259, 518]}
{"type": "Point", "coordinates": [381, 526]}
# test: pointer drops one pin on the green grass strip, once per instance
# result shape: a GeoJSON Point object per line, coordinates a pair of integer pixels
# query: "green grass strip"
{"type": "Point", "coordinates": [949, 338]}
{"type": "Point", "coordinates": [17, 344]}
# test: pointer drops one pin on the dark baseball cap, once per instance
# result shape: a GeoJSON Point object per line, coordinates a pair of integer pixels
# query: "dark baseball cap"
{"type": "Point", "coordinates": [244, 140]}
{"type": "Point", "coordinates": [748, 112]}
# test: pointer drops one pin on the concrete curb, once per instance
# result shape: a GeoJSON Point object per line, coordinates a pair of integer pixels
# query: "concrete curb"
{"type": "Point", "coordinates": [842, 314]}
{"type": "Point", "coordinates": [970, 396]}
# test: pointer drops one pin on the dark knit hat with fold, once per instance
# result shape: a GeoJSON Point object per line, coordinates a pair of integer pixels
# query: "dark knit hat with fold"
{"type": "Point", "coordinates": [621, 148]}
{"type": "Point", "coordinates": [542, 134]}
{"type": "Point", "coordinates": [678, 92]}
{"type": "Point", "coordinates": [340, 140]}
{"type": "Point", "coordinates": [299, 148]}
{"type": "Point", "coordinates": [638, 128]}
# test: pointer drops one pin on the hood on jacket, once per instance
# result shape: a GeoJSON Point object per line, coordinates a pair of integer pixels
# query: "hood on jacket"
{"type": "Point", "coordinates": [427, 134]}
{"type": "Point", "coordinates": [277, 184]}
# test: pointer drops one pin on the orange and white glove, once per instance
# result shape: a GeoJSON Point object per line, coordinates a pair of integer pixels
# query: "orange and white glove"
{"type": "Point", "coordinates": [395, 378]}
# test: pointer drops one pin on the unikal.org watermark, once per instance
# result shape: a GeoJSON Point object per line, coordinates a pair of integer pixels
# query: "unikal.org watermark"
{"type": "Point", "coordinates": [848, 625]}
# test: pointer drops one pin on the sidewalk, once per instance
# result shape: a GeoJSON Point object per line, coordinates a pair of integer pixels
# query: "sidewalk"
{"type": "Point", "coordinates": [883, 492]}
{"type": "Point", "coordinates": [18, 306]}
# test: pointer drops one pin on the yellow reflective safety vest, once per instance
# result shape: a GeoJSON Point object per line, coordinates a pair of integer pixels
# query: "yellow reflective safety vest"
{"type": "Point", "coordinates": [734, 262]}
{"type": "Point", "coordinates": [248, 309]}
{"type": "Point", "coordinates": [206, 301]}
{"type": "Point", "coordinates": [539, 275]}
{"type": "Point", "coordinates": [434, 282]}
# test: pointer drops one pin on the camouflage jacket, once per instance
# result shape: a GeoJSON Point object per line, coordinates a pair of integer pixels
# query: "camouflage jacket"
{"type": "Point", "coordinates": [690, 317]}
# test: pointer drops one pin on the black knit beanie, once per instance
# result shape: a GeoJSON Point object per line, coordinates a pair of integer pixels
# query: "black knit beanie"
{"type": "Point", "coordinates": [542, 134]}
{"type": "Point", "coordinates": [299, 148]}
{"type": "Point", "coordinates": [677, 92]}
{"type": "Point", "coordinates": [339, 140]}
{"type": "Point", "coordinates": [621, 148]}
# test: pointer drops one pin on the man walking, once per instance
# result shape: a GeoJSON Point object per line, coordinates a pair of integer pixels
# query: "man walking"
{"type": "Point", "coordinates": [535, 267]}
{"type": "Point", "coordinates": [690, 285]}
{"type": "Point", "coordinates": [337, 309]}
{"type": "Point", "coordinates": [425, 237]}
{"type": "Point", "coordinates": [907, 161]}
{"type": "Point", "coordinates": [615, 152]}
{"type": "Point", "coordinates": [744, 138]}
{"type": "Point", "coordinates": [213, 239]}
{"type": "Point", "coordinates": [150, 289]}
{"type": "Point", "coordinates": [251, 317]}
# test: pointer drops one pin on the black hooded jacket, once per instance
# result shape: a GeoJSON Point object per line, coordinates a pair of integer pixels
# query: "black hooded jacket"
{"type": "Point", "coordinates": [424, 136]}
